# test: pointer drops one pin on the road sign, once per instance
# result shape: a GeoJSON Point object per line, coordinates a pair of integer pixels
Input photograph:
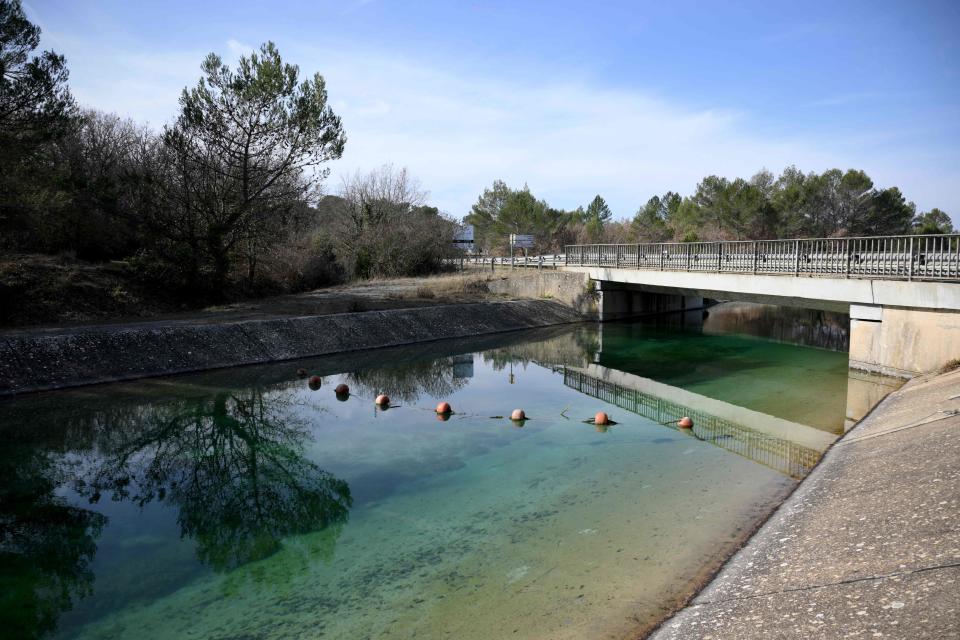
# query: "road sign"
{"type": "Point", "coordinates": [521, 241]}
{"type": "Point", "coordinates": [463, 235]}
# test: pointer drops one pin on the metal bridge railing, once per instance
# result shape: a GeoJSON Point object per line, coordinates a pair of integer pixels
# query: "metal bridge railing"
{"type": "Point", "coordinates": [535, 262]}
{"type": "Point", "coordinates": [927, 257]}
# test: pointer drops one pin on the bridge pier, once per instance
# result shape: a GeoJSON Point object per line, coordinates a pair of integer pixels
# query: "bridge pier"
{"type": "Point", "coordinates": [618, 301]}
{"type": "Point", "coordinates": [902, 342]}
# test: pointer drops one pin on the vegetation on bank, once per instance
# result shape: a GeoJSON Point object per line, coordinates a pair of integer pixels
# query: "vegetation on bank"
{"type": "Point", "coordinates": [226, 201]}
{"type": "Point", "coordinates": [791, 205]}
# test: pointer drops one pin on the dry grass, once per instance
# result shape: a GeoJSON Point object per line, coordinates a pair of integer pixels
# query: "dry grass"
{"type": "Point", "coordinates": [950, 366]}
{"type": "Point", "coordinates": [452, 288]}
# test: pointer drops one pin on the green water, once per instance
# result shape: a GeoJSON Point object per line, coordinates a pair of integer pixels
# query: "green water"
{"type": "Point", "coordinates": [242, 504]}
{"type": "Point", "coordinates": [805, 385]}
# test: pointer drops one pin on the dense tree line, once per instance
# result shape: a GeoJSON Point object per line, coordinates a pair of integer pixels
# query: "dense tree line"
{"type": "Point", "coordinates": [229, 196]}
{"type": "Point", "coordinates": [792, 205]}
{"type": "Point", "coordinates": [501, 211]}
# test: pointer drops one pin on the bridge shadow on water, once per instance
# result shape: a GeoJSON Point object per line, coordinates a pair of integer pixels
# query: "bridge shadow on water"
{"type": "Point", "coordinates": [783, 455]}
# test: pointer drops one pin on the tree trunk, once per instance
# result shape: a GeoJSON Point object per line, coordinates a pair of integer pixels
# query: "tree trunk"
{"type": "Point", "coordinates": [251, 260]}
{"type": "Point", "coordinates": [221, 266]}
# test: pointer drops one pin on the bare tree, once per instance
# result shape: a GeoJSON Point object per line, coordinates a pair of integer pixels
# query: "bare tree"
{"type": "Point", "coordinates": [380, 196]}
{"type": "Point", "coordinates": [380, 225]}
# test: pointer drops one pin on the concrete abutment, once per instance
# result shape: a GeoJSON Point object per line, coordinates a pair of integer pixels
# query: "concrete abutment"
{"type": "Point", "coordinates": [618, 301]}
{"type": "Point", "coordinates": [902, 342]}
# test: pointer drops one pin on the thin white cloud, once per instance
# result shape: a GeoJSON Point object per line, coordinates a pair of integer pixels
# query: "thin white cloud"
{"type": "Point", "coordinates": [842, 99]}
{"type": "Point", "coordinates": [568, 141]}
{"type": "Point", "coordinates": [238, 48]}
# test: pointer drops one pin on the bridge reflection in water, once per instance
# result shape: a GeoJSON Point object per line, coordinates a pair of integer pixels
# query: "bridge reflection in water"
{"type": "Point", "coordinates": [790, 448]}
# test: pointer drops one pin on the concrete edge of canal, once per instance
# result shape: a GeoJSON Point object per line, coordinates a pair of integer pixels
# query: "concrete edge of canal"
{"type": "Point", "coordinates": [868, 545]}
{"type": "Point", "coordinates": [89, 355]}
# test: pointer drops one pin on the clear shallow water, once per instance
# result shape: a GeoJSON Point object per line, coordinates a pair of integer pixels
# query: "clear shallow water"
{"type": "Point", "coordinates": [716, 357]}
{"type": "Point", "coordinates": [239, 503]}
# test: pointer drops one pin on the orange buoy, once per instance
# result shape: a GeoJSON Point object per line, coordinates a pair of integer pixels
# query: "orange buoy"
{"type": "Point", "coordinates": [382, 400]}
{"type": "Point", "coordinates": [443, 417]}
{"type": "Point", "coordinates": [444, 408]}
{"type": "Point", "coordinates": [601, 418]}
{"type": "Point", "coordinates": [518, 414]}
{"type": "Point", "coordinates": [314, 382]}
{"type": "Point", "coordinates": [685, 422]}
{"type": "Point", "coordinates": [342, 390]}
{"type": "Point", "coordinates": [302, 373]}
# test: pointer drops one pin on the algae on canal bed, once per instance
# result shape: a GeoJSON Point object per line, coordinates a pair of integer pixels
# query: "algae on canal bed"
{"type": "Point", "coordinates": [241, 503]}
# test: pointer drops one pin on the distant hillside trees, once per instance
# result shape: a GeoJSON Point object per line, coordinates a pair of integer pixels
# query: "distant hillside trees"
{"type": "Point", "coordinates": [834, 203]}
{"type": "Point", "coordinates": [501, 210]}
{"type": "Point", "coordinates": [933, 221]}
{"type": "Point", "coordinates": [650, 223]}
{"type": "Point", "coordinates": [598, 214]}
{"type": "Point", "coordinates": [794, 204]}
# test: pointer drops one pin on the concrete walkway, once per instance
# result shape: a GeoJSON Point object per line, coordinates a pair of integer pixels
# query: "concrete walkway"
{"type": "Point", "coordinates": [867, 547]}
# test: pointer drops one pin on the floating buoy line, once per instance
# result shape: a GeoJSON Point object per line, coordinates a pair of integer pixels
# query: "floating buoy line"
{"type": "Point", "coordinates": [443, 411]}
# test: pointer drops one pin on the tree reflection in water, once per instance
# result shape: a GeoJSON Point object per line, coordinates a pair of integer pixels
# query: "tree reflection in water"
{"type": "Point", "coordinates": [574, 348]}
{"type": "Point", "coordinates": [232, 464]}
{"type": "Point", "coordinates": [409, 381]}
{"type": "Point", "coordinates": [46, 545]}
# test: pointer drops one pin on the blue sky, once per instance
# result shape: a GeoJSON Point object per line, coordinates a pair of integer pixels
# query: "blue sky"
{"type": "Point", "coordinates": [625, 99]}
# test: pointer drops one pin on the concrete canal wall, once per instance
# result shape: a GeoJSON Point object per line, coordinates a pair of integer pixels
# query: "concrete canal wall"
{"type": "Point", "coordinates": [868, 546]}
{"type": "Point", "coordinates": [575, 290]}
{"type": "Point", "coordinates": [38, 361]}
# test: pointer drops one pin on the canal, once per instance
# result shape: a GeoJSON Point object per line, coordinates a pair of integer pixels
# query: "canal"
{"type": "Point", "coordinates": [243, 503]}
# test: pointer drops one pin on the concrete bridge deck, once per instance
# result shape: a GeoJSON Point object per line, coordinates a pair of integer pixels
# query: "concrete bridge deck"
{"type": "Point", "coordinates": [827, 293]}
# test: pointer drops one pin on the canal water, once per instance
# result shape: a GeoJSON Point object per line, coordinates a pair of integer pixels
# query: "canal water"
{"type": "Point", "coordinates": [243, 504]}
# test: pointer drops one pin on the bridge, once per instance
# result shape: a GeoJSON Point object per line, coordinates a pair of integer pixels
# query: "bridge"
{"type": "Point", "coordinates": [902, 292]}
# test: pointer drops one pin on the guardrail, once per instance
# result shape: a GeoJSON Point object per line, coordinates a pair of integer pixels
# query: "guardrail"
{"type": "Point", "coordinates": [926, 257]}
{"type": "Point", "coordinates": [551, 261]}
